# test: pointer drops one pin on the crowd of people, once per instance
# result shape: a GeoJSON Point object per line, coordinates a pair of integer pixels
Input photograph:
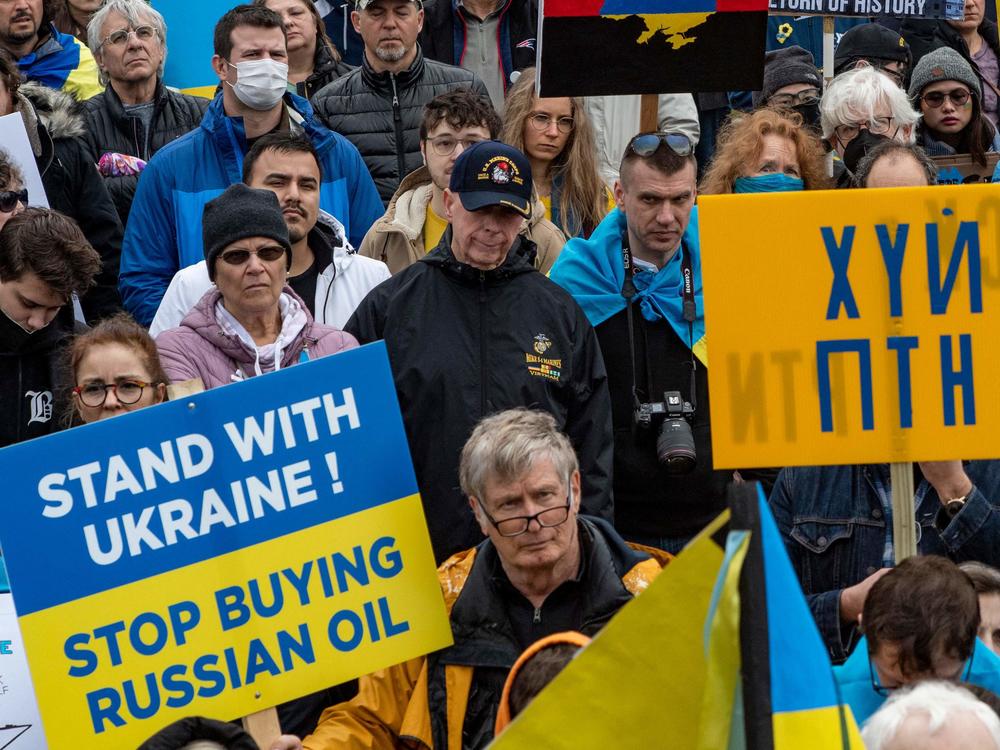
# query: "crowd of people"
{"type": "Point", "coordinates": [533, 266]}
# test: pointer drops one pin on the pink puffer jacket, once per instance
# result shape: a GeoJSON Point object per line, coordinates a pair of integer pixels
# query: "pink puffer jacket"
{"type": "Point", "coordinates": [200, 348]}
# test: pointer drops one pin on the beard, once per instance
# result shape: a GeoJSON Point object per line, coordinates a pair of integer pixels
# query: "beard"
{"type": "Point", "coordinates": [391, 54]}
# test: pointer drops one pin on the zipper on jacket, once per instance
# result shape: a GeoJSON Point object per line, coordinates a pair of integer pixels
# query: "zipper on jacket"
{"type": "Point", "coordinates": [482, 345]}
{"type": "Point", "coordinates": [397, 119]}
{"type": "Point", "coordinates": [538, 616]}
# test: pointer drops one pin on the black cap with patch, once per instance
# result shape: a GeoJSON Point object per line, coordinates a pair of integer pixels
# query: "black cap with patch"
{"type": "Point", "coordinates": [491, 173]}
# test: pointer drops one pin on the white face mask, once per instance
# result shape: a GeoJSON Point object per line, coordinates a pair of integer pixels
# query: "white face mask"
{"type": "Point", "coordinates": [260, 84]}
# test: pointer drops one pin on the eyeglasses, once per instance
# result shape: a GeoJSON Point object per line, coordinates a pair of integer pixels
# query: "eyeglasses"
{"type": "Point", "coordinates": [806, 96]}
{"type": "Point", "coordinates": [646, 144]}
{"type": "Point", "coordinates": [896, 75]}
{"type": "Point", "coordinates": [120, 37]}
{"type": "Point", "coordinates": [541, 121]}
{"type": "Point", "coordinates": [239, 257]}
{"type": "Point", "coordinates": [935, 99]}
{"type": "Point", "coordinates": [126, 391]}
{"type": "Point", "coordinates": [875, 126]}
{"type": "Point", "coordinates": [518, 525]}
{"type": "Point", "coordinates": [444, 145]}
{"type": "Point", "coordinates": [885, 690]}
{"type": "Point", "coordinates": [10, 198]}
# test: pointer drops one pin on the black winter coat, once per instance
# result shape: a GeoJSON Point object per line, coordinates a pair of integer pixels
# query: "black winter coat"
{"type": "Point", "coordinates": [926, 36]}
{"type": "Point", "coordinates": [55, 126]}
{"type": "Point", "coordinates": [465, 343]}
{"type": "Point", "coordinates": [445, 34]}
{"type": "Point", "coordinates": [33, 394]}
{"type": "Point", "coordinates": [380, 113]}
{"type": "Point", "coordinates": [325, 70]}
{"type": "Point", "coordinates": [111, 129]}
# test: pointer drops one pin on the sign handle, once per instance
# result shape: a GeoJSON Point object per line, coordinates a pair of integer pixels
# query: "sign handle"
{"type": "Point", "coordinates": [263, 726]}
{"type": "Point", "coordinates": [904, 522]}
{"type": "Point", "coordinates": [828, 27]}
{"type": "Point", "coordinates": [649, 120]}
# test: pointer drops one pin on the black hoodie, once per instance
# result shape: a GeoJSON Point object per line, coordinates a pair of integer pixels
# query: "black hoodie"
{"type": "Point", "coordinates": [32, 394]}
{"type": "Point", "coordinates": [465, 343]}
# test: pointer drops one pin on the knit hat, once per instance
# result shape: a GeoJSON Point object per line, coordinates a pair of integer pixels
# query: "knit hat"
{"type": "Point", "coordinates": [870, 41]}
{"type": "Point", "coordinates": [783, 67]}
{"type": "Point", "coordinates": [238, 213]}
{"type": "Point", "coordinates": [943, 64]}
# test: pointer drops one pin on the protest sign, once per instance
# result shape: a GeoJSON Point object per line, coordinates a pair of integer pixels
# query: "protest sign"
{"type": "Point", "coordinates": [14, 140]}
{"type": "Point", "coordinates": [928, 9]}
{"type": "Point", "coordinates": [962, 169]}
{"type": "Point", "coordinates": [219, 554]}
{"type": "Point", "coordinates": [20, 725]}
{"type": "Point", "coordinates": [852, 326]}
{"type": "Point", "coordinates": [650, 46]}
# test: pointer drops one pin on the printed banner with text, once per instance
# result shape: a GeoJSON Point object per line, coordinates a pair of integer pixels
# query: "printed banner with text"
{"type": "Point", "coordinates": [219, 554]}
{"type": "Point", "coordinates": [927, 9]}
{"type": "Point", "coordinates": [854, 326]}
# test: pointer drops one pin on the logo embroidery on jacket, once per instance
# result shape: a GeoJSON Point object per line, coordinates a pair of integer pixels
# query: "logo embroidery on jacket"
{"type": "Point", "coordinates": [40, 405]}
{"type": "Point", "coordinates": [550, 369]}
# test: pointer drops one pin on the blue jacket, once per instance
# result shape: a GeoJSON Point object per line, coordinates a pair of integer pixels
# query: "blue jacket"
{"type": "Point", "coordinates": [857, 691]}
{"type": "Point", "coordinates": [835, 528]}
{"type": "Point", "coordinates": [164, 227]}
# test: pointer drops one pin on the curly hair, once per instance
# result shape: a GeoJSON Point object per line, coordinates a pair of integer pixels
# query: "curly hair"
{"type": "Point", "coordinates": [742, 140]}
{"type": "Point", "coordinates": [583, 198]}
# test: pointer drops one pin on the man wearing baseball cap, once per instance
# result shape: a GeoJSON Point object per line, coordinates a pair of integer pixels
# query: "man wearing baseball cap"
{"type": "Point", "coordinates": [473, 328]}
{"type": "Point", "coordinates": [875, 45]}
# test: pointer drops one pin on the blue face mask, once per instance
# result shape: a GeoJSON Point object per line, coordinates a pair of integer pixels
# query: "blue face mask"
{"type": "Point", "coordinates": [768, 183]}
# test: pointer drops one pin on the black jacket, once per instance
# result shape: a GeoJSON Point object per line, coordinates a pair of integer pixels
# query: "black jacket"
{"type": "Point", "coordinates": [33, 394]}
{"type": "Point", "coordinates": [325, 70]}
{"type": "Point", "coordinates": [648, 500]}
{"type": "Point", "coordinates": [55, 125]}
{"type": "Point", "coordinates": [486, 639]}
{"type": "Point", "coordinates": [185, 731]}
{"type": "Point", "coordinates": [111, 129]}
{"type": "Point", "coordinates": [380, 113]}
{"type": "Point", "coordinates": [466, 343]}
{"type": "Point", "coordinates": [926, 36]}
{"type": "Point", "coordinates": [445, 34]}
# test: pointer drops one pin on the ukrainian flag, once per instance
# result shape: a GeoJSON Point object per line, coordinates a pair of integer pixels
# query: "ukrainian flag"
{"type": "Point", "coordinates": [720, 652]}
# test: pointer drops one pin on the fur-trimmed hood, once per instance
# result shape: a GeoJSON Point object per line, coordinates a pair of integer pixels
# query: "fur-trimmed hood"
{"type": "Point", "coordinates": [59, 113]}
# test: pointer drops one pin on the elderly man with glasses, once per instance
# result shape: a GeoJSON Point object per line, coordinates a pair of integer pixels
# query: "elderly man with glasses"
{"type": "Point", "coordinates": [136, 115]}
{"type": "Point", "coordinates": [543, 569]}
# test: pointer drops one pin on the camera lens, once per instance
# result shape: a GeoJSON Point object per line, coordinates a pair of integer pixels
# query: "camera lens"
{"type": "Point", "coordinates": [675, 446]}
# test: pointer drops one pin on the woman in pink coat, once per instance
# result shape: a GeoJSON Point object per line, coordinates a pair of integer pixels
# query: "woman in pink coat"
{"type": "Point", "coordinates": [251, 322]}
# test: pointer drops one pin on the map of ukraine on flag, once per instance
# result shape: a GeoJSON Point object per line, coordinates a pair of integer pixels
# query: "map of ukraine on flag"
{"type": "Point", "coordinates": [652, 46]}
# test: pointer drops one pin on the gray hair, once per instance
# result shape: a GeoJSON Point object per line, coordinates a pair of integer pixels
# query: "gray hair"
{"type": "Point", "coordinates": [505, 446]}
{"type": "Point", "coordinates": [131, 10]}
{"type": "Point", "coordinates": [894, 151]}
{"type": "Point", "coordinates": [855, 95]}
{"type": "Point", "coordinates": [940, 702]}
{"type": "Point", "coordinates": [985, 579]}
{"type": "Point", "coordinates": [203, 745]}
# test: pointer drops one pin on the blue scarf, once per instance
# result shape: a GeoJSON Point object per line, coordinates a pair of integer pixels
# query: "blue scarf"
{"type": "Point", "coordinates": [592, 271]}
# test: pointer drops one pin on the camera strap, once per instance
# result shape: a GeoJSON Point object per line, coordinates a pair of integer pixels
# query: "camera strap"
{"type": "Point", "coordinates": [689, 310]}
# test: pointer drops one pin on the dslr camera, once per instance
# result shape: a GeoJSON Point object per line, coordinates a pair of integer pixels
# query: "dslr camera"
{"type": "Point", "coordinates": [675, 441]}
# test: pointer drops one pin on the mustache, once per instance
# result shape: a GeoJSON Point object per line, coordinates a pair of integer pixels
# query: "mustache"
{"type": "Point", "coordinates": [22, 15]}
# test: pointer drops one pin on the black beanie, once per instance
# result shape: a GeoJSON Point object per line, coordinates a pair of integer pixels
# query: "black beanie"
{"type": "Point", "coordinates": [783, 67]}
{"type": "Point", "coordinates": [870, 41]}
{"type": "Point", "coordinates": [238, 213]}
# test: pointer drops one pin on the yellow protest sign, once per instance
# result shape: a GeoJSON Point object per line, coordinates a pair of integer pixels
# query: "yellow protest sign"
{"type": "Point", "coordinates": [852, 326]}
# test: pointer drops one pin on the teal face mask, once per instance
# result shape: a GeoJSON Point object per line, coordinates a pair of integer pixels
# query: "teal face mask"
{"type": "Point", "coordinates": [768, 183]}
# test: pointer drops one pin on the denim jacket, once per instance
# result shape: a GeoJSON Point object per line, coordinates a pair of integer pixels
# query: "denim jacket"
{"type": "Point", "coordinates": [834, 528]}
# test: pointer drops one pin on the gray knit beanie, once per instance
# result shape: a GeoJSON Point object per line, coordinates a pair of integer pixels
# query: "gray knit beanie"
{"type": "Point", "coordinates": [943, 64]}
{"type": "Point", "coordinates": [238, 213]}
{"type": "Point", "coordinates": [783, 67]}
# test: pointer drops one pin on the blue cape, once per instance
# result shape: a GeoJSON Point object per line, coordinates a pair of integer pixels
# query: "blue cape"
{"type": "Point", "coordinates": [592, 271]}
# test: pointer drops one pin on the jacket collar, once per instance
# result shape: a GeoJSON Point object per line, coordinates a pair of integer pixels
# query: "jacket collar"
{"type": "Point", "coordinates": [520, 260]}
{"type": "Point", "coordinates": [114, 102]}
{"type": "Point", "coordinates": [405, 78]}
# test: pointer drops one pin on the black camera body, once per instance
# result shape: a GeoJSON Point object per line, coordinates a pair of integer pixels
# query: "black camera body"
{"type": "Point", "coordinates": [675, 441]}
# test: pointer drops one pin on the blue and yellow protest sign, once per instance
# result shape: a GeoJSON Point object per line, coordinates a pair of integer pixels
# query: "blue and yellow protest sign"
{"type": "Point", "coordinates": [852, 326]}
{"type": "Point", "coordinates": [219, 554]}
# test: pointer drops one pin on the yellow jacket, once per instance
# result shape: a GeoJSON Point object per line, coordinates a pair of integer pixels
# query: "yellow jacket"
{"type": "Point", "coordinates": [394, 708]}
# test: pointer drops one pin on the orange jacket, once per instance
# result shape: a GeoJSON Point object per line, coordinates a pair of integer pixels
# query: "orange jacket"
{"type": "Point", "coordinates": [393, 708]}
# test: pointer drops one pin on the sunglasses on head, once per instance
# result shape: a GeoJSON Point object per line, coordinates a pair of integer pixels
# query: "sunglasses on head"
{"type": "Point", "coordinates": [10, 198]}
{"type": "Point", "coordinates": [936, 98]}
{"type": "Point", "coordinates": [646, 144]}
{"type": "Point", "coordinates": [239, 257]}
